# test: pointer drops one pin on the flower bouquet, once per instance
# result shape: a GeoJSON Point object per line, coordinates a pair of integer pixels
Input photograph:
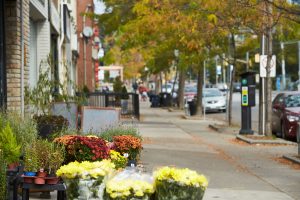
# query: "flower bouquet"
{"type": "Point", "coordinates": [176, 184]}
{"type": "Point", "coordinates": [129, 185]}
{"type": "Point", "coordinates": [85, 180]}
{"type": "Point", "coordinates": [127, 144]}
{"type": "Point", "coordinates": [83, 148]}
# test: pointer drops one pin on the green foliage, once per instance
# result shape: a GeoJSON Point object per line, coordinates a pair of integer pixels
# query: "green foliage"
{"type": "Point", "coordinates": [31, 158]}
{"type": "Point", "coordinates": [119, 130]}
{"type": "Point", "coordinates": [117, 86]}
{"type": "Point", "coordinates": [3, 167]}
{"type": "Point", "coordinates": [48, 90]}
{"type": "Point", "coordinates": [56, 157]}
{"type": "Point", "coordinates": [124, 93]}
{"type": "Point", "coordinates": [9, 145]}
{"type": "Point", "coordinates": [25, 129]}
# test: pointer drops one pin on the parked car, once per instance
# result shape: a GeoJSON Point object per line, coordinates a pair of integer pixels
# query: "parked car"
{"type": "Point", "coordinates": [286, 114]}
{"type": "Point", "coordinates": [190, 93]}
{"type": "Point", "coordinates": [237, 87]}
{"type": "Point", "coordinates": [214, 100]}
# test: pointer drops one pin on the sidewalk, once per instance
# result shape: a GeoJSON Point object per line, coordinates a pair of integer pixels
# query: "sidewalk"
{"type": "Point", "coordinates": [236, 170]}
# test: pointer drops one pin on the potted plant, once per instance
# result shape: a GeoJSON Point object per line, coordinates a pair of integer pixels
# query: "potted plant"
{"type": "Point", "coordinates": [31, 162]}
{"type": "Point", "coordinates": [124, 100]}
{"type": "Point", "coordinates": [56, 159]}
{"type": "Point", "coordinates": [41, 97]}
{"type": "Point", "coordinates": [128, 145]}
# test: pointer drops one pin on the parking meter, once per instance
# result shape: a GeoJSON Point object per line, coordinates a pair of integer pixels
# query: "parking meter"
{"type": "Point", "coordinates": [247, 101]}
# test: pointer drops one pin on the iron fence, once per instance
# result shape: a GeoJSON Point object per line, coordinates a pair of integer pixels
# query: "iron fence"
{"type": "Point", "coordinates": [130, 106]}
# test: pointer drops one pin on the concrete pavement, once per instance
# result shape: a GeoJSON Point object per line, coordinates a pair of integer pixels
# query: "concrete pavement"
{"type": "Point", "coordinates": [236, 171]}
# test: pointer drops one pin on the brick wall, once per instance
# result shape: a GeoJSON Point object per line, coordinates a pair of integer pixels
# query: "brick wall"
{"type": "Point", "coordinates": [13, 51]}
{"type": "Point", "coordinates": [81, 7]}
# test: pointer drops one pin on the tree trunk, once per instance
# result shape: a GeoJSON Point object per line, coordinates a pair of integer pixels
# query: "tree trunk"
{"type": "Point", "coordinates": [181, 89]}
{"type": "Point", "coordinates": [232, 55]}
{"type": "Point", "coordinates": [199, 108]}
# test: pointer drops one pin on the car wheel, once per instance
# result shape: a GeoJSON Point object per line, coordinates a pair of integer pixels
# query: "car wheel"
{"type": "Point", "coordinates": [283, 136]}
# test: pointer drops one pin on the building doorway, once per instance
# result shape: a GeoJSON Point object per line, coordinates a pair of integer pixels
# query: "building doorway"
{"type": "Point", "coordinates": [2, 57]}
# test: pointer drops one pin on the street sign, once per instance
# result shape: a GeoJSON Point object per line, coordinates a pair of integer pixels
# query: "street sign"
{"type": "Point", "coordinates": [263, 66]}
{"type": "Point", "coordinates": [219, 70]}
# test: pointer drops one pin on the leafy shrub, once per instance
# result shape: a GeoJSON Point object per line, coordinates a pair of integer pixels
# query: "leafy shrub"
{"type": "Point", "coordinates": [108, 134]}
{"type": "Point", "coordinates": [24, 129]}
{"type": "Point", "coordinates": [9, 145]}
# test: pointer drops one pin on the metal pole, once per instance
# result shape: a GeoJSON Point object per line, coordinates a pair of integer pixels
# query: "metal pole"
{"type": "Point", "coordinates": [299, 65]}
{"type": "Point", "coordinates": [204, 81]}
{"type": "Point", "coordinates": [247, 60]}
{"type": "Point", "coordinates": [216, 70]}
{"type": "Point", "coordinates": [283, 66]}
{"type": "Point", "coordinates": [224, 70]}
{"type": "Point", "coordinates": [263, 125]}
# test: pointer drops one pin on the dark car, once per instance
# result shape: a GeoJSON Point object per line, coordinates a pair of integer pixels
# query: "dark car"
{"type": "Point", "coordinates": [286, 114]}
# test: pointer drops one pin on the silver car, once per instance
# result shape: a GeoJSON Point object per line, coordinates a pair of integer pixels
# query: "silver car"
{"type": "Point", "coordinates": [214, 100]}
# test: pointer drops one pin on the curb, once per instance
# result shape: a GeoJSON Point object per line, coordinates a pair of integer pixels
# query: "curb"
{"type": "Point", "coordinates": [293, 158]}
{"type": "Point", "coordinates": [276, 141]}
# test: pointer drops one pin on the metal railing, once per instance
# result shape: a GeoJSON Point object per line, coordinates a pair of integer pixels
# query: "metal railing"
{"type": "Point", "coordinates": [130, 106]}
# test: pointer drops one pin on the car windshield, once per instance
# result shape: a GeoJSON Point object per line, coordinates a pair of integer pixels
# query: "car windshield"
{"type": "Point", "coordinates": [292, 100]}
{"type": "Point", "coordinates": [190, 89]}
{"type": "Point", "coordinates": [211, 93]}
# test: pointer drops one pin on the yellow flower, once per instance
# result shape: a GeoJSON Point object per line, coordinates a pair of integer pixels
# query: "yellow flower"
{"type": "Point", "coordinates": [182, 176]}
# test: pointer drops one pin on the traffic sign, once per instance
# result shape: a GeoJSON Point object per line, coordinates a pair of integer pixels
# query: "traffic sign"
{"type": "Point", "coordinates": [263, 66]}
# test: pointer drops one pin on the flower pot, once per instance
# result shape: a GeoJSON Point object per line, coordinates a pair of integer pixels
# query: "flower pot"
{"type": "Point", "coordinates": [28, 179]}
{"type": "Point", "coordinates": [72, 190]}
{"type": "Point", "coordinates": [42, 174]}
{"type": "Point", "coordinates": [39, 180]}
{"type": "Point", "coordinates": [52, 180]}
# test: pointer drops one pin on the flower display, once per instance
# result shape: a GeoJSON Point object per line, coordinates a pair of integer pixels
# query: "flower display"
{"type": "Point", "coordinates": [84, 148]}
{"type": "Point", "coordinates": [86, 169]}
{"type": "Point", "coordinates": [85, 180]}
{"type": "Point", "coordinates": [129, 189]}
{"type": "Point", "coordinates": [128, 144]}
{"type": "Point", "coordinates": [173, 183]}
{"type": "Point", "coordinates": [119, 160]}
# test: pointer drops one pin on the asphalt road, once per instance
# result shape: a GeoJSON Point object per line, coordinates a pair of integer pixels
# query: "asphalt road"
{"type": "Point", "coordinates": [236, 111]}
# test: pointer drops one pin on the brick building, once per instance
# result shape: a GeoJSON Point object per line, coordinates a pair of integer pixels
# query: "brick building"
{"type": "Point", "coordinates": [14, 40]}
{"type": "Point", "coordinates": [30, 32]}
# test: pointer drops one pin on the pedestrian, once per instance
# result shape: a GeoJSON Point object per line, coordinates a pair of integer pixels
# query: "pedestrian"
{"type": "Point", "coordinates": [134, 86]}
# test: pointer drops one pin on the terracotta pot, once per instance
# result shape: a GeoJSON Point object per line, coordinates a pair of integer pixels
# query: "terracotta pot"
{"type": "Point", "coordinates": [39, 180]}
{"type": "Point", "coordinates": [52, 180]}
{"type": "Point", "coordinates": [28, 179]}
{"type": "Point", "coordinates": [42, 174]}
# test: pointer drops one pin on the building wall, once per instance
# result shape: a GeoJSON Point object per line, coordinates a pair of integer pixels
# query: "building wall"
{"type": "Point", "coordinates": [13, 50]}
{"type": "Point", "coordinates": [81, 7]}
